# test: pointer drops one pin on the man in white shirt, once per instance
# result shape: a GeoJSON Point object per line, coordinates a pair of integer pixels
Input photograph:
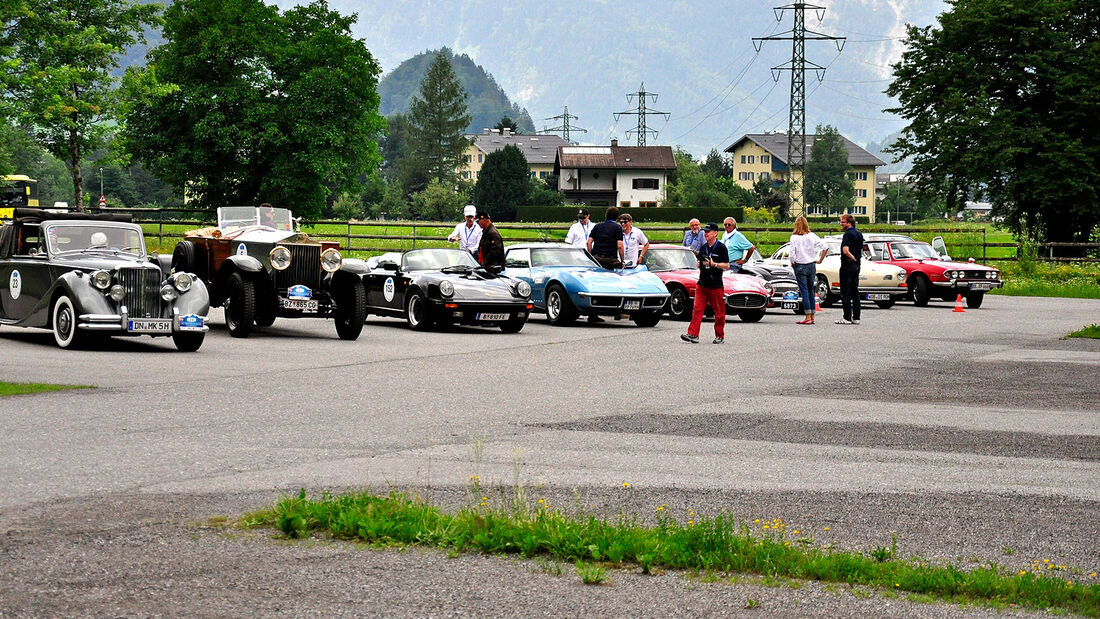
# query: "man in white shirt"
{"type": "Point", "coordinates": [578, 232]}
{"type": "Point", "coordinates": [635, 243]}
{"type": "Point", "coordinates": [467, 234]}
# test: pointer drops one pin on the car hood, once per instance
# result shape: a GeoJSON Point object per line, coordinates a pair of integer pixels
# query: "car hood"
{"type": "Point", "coordinates": [622, 282]}
{"type": "Point", "coordinates": [768, 271]}
{"type": "Point", "coordinates": [100, 261]}
{"type": "Point", "coordinates": [473, 288]}
{"type": "Point", "coordinates": [953, 266]}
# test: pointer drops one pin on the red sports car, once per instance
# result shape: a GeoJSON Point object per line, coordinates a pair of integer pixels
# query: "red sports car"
{"type": "Point", "coordinates": [747, 296]}
{"type": "Point", "coordinates": [931, 273]}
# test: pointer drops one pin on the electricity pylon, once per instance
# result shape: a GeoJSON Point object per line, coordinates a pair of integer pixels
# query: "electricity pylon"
{"type": "Point", "coordinates": [642, 112]}
{"type": "Point", "coordinates": [565, 128]}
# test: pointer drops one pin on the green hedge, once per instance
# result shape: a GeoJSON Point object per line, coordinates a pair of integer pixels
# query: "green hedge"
{"type": "Point", "coordinates": [860, 220]}
{"type": "Point", "coordinates": [661, 214]}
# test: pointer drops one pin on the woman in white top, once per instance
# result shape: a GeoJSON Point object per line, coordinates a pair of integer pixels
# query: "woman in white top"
{"type": "Point", "coordinates": [806, 251]}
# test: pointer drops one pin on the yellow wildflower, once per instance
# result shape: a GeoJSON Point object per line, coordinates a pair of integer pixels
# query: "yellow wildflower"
{"type": "Point", "coordinates": [626, 484]}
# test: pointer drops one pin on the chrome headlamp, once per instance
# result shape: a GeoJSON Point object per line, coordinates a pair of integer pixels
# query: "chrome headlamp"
{"type": "Point", "coordinates": [279, 258]}
{"type": "Point", "coordinates": [523, 289]}
{"type": "Point", "coordinates": [117, 293]}
{"type": "Point", "coordinates": [446, 288]}
{"type": "Point", "coordinates": [182, 281]}
{"type": "Point", "coordinates": [168, 293]}
{"type": "Point", "coordinates": [331, 260]}
{"type": "Point", "coordinates": [101, 280]}
{"type": "Point", "coordinates": [902, 276]}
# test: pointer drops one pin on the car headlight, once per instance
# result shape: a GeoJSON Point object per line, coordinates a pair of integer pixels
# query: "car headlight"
{"type": "Point", "coordinates": [523, 288]}
{"type": "Point", "coordinates": [768, 287]}
{"type": "Point", "coordinates": [446, 288]}
{"type": "Point", "coordinates": [331, 260]}
{"type": "Point", "coordinates": [991, 275]}
{"type": "Point", "coordinates": [101, 280]}
{"type": "Point", "coordinates": [279, 258]}
{"type": "Point", "coordinates": [182, 281]}
{"type": "Point", "coordinates": [901, 276]}
{"type": "Point", "coordinates": [117, 293]}
{"type": "Point", "coordinates": [168, 293]}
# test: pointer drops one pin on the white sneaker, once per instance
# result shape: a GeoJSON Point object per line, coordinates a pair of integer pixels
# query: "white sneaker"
{"type": "Point", "coordinates": [855, 322]}
{"type": "Point", "coordinates": [843, 322]}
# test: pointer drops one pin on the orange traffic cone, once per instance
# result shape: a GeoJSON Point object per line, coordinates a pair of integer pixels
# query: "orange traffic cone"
{"type": "Point", "coordinates": [817, 305]}
{"type": "Point", "coordinates": [959, 305]}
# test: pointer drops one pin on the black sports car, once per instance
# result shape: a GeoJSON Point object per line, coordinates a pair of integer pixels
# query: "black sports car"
{"type": "Point", "coordinates": [442, 287]}
{"type": "Point", "coordinates": [88, 275]}
{"type": "Point", "coordinates": [784, 286]}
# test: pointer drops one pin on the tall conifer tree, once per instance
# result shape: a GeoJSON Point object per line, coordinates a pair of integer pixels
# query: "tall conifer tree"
{"type": "Point", "coordinates": [438, 118]}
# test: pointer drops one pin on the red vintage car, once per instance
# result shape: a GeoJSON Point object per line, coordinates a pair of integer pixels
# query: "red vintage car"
{"type": "Point", "coordinates": [931, 272]}
{"type": "Point", "coordinates": [747, 296]}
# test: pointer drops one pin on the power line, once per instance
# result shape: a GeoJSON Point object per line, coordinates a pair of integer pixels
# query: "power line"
{"type": "Point", "coordinates": [642, 131]}
{"type": "Point", "coordinates": [565, 128]}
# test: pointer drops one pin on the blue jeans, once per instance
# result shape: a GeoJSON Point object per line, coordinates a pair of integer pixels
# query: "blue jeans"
{"type": "Point", "coordinates": [805, 275]}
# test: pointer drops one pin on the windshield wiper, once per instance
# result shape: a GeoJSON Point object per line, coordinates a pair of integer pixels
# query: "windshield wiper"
{"type": "Point", "coordinates": [457, 268]}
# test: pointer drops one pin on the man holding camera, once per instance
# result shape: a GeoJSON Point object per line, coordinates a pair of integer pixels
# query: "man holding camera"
{"type": "Point", "coordinates": [713, 260]}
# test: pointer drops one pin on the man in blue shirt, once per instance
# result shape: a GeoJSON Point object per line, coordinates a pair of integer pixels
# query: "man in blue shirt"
{"type": "Point", "coordinates": [694, 237]}
{"type": "Point", "coordinates": [740, 248]}
{"type": "Point", "coordinates": [851, 249]}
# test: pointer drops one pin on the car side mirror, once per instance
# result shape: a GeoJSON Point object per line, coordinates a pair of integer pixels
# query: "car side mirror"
{"type": "Point", "coordinates": [387, 266]}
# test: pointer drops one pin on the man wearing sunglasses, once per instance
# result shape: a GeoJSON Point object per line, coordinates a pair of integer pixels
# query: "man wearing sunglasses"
{"type": "Point", "coordinates": [739, 247]}
{"type": "Point", "coordinates": [635, 243]}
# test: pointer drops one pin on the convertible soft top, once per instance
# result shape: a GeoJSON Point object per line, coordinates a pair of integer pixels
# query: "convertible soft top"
{"type": "Point", "coordinates": [37, 215]}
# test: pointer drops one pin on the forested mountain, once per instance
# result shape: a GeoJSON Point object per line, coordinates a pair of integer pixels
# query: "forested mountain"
{"type": "Point", "coordinates": [486, 100]}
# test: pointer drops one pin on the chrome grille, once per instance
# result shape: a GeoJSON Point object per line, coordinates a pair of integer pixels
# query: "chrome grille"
{"type": "Point", "coordinates": [782, 287]}
{"type": "Point", "coordinates": [746, 301]}
{"type": "Point", "coordinates": [304, 269]}
{"type": "Point", "coordinates": [142, 288]}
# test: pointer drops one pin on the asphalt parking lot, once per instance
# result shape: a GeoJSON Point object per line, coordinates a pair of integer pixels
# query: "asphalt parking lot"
{"type": "Point", "coordinates": [974, 437]}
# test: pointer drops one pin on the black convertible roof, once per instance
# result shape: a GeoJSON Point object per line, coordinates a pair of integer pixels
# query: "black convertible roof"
{"type": "Point", "coordinates": [37, 215]}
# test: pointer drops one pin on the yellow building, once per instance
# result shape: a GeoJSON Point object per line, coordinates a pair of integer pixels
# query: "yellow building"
{"type": "Point", "coordinates": [763, 155]}
{"type": "Point", "coordinates": [540, 151]}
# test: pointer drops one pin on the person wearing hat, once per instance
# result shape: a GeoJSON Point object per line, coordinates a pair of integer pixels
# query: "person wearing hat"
{"type": "Point", "coordinates": [738, 246]}
{"type": "Point", "coordinates": [490, 250]}
{"type": "Point", "coordinates": [578, 232]}
{"type": "Point", "coordinates": [713, 259]}
{"type": "Point", "coordinates": [468, 234]}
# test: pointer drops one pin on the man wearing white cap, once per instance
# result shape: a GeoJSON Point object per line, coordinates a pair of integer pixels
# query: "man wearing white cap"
{"type": "Point", "coordinates": [467, 234]}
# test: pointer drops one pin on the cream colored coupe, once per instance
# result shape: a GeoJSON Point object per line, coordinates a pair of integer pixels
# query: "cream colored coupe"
{"type": "Point", "coordinates": [883, 284]}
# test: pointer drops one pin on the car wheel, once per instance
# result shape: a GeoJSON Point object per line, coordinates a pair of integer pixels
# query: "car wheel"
{"type": "Point", "coordinates": [647, 319]}
{"type": "Point", "coordinates": [513, 324]}
{"type": "Point", "coordinates": [183, 257]}
{"type": "Point", "coordinates": [921, 294]}
{"type": "Point", "coordinates": [559, 308]}
{"type": "Point", "coordinates": [417, 312]}
{"type": "Point", "coordinates": [188, 342]}
{"type": "Point", "coordinates": [885, 304]}
{"type": "Point", "coordinates": [824, 293]}
{"type": "Point", "coordinates": [65, 331]}
{"type": "Point", "coordinates": [351, 311]}
{"type": "Point", "coordinates": [974, 299]}
{"type": "Point", "coordinates": [266, 310]}
{"type": "Point", "coordinates": [240, 305]}
{"type": "Point", "coordinates": [750, 315]}
{"type": "Point", "coordinates": [679, 304]}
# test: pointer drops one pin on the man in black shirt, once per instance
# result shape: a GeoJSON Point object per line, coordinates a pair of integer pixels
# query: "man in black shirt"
{"type": "Point", "coordinates": [490, 252]}
{"type": "Point", "coordinates": [851, 249]}
{"type": "Point", "coordinates": [605, 243]}
{"type": "Point", "coordinates": [714, 259]}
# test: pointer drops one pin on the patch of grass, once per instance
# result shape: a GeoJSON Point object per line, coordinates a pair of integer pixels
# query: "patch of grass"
{"type": "Point", "coordinates": [591, 573]}
{"type": "Point", "coordinates": [718, 543]}
{"type": "Point", "coordinates": [7, 388]}
{"type": "Point", "coordinates": [1092, 332]}
{"type": "Point", "coordinates": [1077, 280]}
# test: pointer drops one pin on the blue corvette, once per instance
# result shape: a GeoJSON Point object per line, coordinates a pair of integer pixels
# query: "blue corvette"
{"type": "Point", "coordinates": [566, 282]}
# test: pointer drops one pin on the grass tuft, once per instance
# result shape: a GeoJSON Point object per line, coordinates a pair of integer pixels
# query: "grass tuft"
{"type": "Point", "coordinates": [7, 388]}
{"type": "Point", "coordinates": [705, 544]}
{"type": "Point", "coordinates": [1092, 332]}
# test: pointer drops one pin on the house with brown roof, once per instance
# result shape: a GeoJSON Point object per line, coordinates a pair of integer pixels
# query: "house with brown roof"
{"type": "Point", "coordinates": [758, 156]}
{"type": "Point", "coordinates": [623, 176]}
{"type": "Point", "coordinates": [540, 151]}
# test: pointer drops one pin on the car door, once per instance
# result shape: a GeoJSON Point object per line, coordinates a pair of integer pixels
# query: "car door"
{"type": "Point", "coordinates": [25, 275]}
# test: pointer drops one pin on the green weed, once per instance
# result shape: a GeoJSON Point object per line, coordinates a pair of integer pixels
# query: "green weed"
{"type": "Point", "coordinates": [591, 573]}
{"type": "Point", "coordinates": [1092, 332]}
{"type": "Point", "coordinates": [7, 388]}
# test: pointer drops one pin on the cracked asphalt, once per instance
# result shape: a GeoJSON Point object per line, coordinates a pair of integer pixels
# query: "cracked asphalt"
{"type": "Point", "coordinates": [973, 437]}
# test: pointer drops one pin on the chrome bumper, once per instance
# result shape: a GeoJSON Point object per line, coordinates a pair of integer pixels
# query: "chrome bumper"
{"type": "Point", "coordinates": [119, 322]}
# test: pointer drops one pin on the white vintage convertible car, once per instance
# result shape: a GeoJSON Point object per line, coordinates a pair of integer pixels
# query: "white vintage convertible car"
{"type": "Point", "coordinates": [883, 284]}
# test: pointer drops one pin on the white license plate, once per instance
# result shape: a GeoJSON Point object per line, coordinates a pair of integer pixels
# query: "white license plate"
{"type": "Point", "coordinates": [492, 317]}
{"type": "Point", "coordinates": [790, 305]}
{"type": "Point", "coordinates": [878, 296]}
{"type": "Point", "coordinates": [305, 305]}
{"type": "Point", "coordinates": [981, 286]}
{"type": "Point", "coordinates": [632, 305]}
{"type": "Point", "coordinates": [150, 326]}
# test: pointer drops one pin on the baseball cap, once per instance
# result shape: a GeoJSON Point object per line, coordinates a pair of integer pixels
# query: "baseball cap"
{"type": "Point", "coordinates": [469, 211]}
{"type": "Point", "coordinates": [711, 227]}
{"type": "Point", "coordinates": [582, 212]}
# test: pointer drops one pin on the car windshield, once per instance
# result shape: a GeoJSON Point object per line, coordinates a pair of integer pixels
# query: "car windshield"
{"type": "Point", "coordinates": [834, 248]}
{"type": "Point", "coordinates": [902, 251]}
{"type": "Point", "coordinates": [241, 216]}
{"type": "Point", "coordinates": [560, 257]}
{"type": "Point", "coordinates": [670, 259]}
{"type": "Point", "coordinates": [436, 259]}
{"type": "Point", "coordinates": [94, 237]}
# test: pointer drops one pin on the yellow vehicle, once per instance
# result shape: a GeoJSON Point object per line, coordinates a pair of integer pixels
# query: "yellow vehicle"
{"type": "Point", "coordinates": [17, 190]}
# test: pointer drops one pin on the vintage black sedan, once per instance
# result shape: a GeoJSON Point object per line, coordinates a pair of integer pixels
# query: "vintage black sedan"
{"type": "Point", "coordinates": [259, 267]}
{"type": "Point", "coordinates": [784, 286]}
{"type": "Point", "coordinates": [442, 287]}
{"type": "Point", "coordinates": [85, 276]}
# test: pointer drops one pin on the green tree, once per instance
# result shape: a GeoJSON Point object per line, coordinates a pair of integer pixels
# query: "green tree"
{"type": "Point", "coordinates": [506, 123]}
{"type": "Point", "coordinates": [437, 121]}
{"type": "Point", "coordinates": [1003, 97]}
{"type": "Point", "coordinates": [503, 184]}
{"type": "Point", "coordinates": [540, 193]}
{"type": "Point", "coordinates": [826, 182]}
{"type": "Point", "coordinates": [244, 104]}
{"type": "Point", "coordinates": [439, 202]}
{"type": "Point", "coordinates": [766, 196]}
{"type": "Point", "coordinates": [717, 165]}
{"type": "Point", "coordinates": [58, 59]}
{"type": "Point", "coordinates": [690, 186]}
